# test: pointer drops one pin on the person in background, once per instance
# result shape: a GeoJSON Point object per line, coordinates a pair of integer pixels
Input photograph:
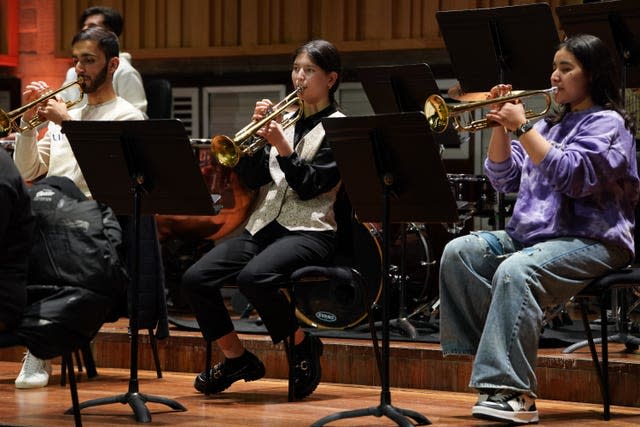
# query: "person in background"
{"type": "Point", "coordinates": [293, 225]}
{"type": "Point", "coordinates": [575, 174]}
{"type": "Point", "coordinates": [127, 81]}
{"type": "Point", "coordinates": [16, 234]}
{"type": "Point", "coordinates": [95, 56]}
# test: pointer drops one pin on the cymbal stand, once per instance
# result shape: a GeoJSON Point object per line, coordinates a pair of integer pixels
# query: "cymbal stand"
{"type": "Point", "coordinates": [404, 320]}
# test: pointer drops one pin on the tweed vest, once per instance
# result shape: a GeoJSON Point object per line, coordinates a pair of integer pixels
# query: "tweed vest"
{"type": "Point", "coordinates": [277, 201]}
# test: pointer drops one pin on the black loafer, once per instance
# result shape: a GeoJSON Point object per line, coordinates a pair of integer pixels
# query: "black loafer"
{"type": "Point", "coordinates": [308, 370]}
{"type": "Point", "coordinates": [225, 373]}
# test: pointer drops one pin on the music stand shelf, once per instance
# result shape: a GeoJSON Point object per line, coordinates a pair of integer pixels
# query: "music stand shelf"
{"type": "Point", "coordinates": [132, 166]}
{"type": "Point", "coordinates": [403, 89]}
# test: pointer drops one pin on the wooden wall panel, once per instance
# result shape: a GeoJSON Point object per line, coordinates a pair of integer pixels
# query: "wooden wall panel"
{"type": "Point", "coordinates": [247, 23]}
{"type": "Point", "coordinates": [210, 28]}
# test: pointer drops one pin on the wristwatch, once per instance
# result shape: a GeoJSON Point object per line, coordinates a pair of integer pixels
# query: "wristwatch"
{"type": "Point", "coordinates": [526, 127]}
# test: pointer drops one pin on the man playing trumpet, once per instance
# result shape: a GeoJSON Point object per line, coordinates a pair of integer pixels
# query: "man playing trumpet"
{"type": "Point", "coordinates": [95, 57]}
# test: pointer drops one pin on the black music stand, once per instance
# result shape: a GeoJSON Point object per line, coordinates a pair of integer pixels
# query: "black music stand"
{"type": "Point", "coordinates": [385, 161]}
{"type": "Point", "coordinates": [404, 89]}
{"type": "Point", "coordinates": [124, 162]}
{"type": "Point", "coordinates": [617, 24]}
{"type": "Point", "coordinates": [512, 44]}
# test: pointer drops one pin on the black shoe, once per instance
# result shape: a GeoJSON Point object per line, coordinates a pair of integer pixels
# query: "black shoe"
{"type": "Point", "coordinates": [307, 371]}
{"type": "Point", "coordinates": [247, 367]}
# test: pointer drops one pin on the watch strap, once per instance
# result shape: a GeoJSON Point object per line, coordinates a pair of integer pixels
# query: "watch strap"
{"type": "Point", "coordinates": [524, 128]}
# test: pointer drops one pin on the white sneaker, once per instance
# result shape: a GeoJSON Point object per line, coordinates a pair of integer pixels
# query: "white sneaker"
{"type": "Point", "coordinates": [34, 373]}
{"type": "Point", "coordinates": [509, 406]}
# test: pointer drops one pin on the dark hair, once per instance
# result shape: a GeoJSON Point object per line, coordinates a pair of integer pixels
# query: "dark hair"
{"type": "Point", "coordinates": [602, 72]}
{"type": "Point", "coordinates": [325, 55]}
{"type": "Point", "coordinates": [111, 18]}
{"type": "Point", "coordinates": [107, 40]}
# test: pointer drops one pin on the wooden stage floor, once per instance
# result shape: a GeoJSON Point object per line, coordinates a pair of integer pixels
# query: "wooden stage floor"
{"type": "Point", "coordinates": [259, 403]}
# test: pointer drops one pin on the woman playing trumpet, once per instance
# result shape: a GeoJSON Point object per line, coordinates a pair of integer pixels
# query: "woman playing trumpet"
{"type": "Point", "coordinates": [293, 225]}
{"type": "Point", "coordinates": [575, 173]}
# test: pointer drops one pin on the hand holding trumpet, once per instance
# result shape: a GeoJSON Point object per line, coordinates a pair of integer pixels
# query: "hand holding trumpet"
{"type": "Point", "coordinates": [272, 131]}
{"type": "Point", "coordinates": [52, 108]}
{"type": "Point", "coordinates": [510, 114]}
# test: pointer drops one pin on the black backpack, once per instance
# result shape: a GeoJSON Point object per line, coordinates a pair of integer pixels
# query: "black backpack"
{"type": "Point", "coordinates": [76, 241]}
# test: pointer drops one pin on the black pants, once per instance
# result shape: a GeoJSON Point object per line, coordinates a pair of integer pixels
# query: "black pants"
{"type": "Point", "coordinates": [258, 264]}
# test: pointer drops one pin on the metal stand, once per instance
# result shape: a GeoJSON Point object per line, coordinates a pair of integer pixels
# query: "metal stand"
{"type": "Point", "coordinates": [124, 157]}
{"type": "Point", "coordinates": [404, 157]}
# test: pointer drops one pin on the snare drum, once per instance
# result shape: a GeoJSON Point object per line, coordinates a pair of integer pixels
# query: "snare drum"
{"type": "Point", "coordinates": [473, 193]}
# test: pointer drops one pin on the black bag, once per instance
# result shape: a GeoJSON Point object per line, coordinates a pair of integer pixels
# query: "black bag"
{"type": "Point", "coordinates": [76, 241]}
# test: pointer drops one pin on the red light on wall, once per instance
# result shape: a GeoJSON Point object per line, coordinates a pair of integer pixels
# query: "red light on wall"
{"type": "Point", "coordinates": [9, 33]}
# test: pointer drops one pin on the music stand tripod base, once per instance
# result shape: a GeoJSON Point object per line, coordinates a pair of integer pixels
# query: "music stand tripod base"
{"type": "Point", "coordinates": [395, 414]}
{"type": "Point", "coordinates": [137, 401]}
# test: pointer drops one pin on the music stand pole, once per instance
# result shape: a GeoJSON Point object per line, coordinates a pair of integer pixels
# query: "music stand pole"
{"type": "Point", "coordinates": [136, 400]}
{"type": "Point", "coordinates": [403, 152]}
{"type": "Point", "coordinates": [136, 154]}
{"type": "Point", "coordinates": [385, 408]}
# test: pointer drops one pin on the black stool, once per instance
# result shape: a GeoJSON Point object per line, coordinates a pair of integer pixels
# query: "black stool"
{"type": "Point", "coordinates": [303, 276]}
{"type": "Point", "coordinates": [602, 289]}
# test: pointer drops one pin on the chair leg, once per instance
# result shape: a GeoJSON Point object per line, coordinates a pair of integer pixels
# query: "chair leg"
{"type": "Point", "coordinates": [606, 398]}
{"type": "Point", "coordinates": [78, 355]}
{"type": "Point", "coordinates": [89, 362]}
{"type": "Point", "coordinates": [601, 368]}
{"type": "Point", "coordinates": [82, 355]}
{"type": "Point", "coordinates": [291, 346]}
{"type": "Point", "coordinates": [154, 349]}
{"type": "Point", "coordinates": [592, 345]}
{"type": "Point", "coordinates": [67, 359]}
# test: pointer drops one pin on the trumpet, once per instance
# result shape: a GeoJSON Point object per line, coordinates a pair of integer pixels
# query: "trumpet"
{"type": "Point", "coordinates": [245, 143]}
{"type": "Point", "coordinates": [8, 119]}
{"type": "Point", "coordinates": [439, 113]}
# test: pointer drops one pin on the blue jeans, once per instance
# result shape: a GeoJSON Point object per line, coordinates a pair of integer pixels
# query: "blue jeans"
{"type": "Point", "coordinates": [493, 292]}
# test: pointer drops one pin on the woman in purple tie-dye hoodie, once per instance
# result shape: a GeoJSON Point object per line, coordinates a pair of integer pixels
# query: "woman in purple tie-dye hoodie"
{"type": "Point", "coordinates": [575, 174]}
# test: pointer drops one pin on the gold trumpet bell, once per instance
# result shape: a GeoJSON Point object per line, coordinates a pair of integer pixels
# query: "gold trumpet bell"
{"type": "Point", "coordinates": [437, 113]}
{"type": "Point", "coordinates": [6, 125]}
{"type": "Point", "coordinates": [225, 151]}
